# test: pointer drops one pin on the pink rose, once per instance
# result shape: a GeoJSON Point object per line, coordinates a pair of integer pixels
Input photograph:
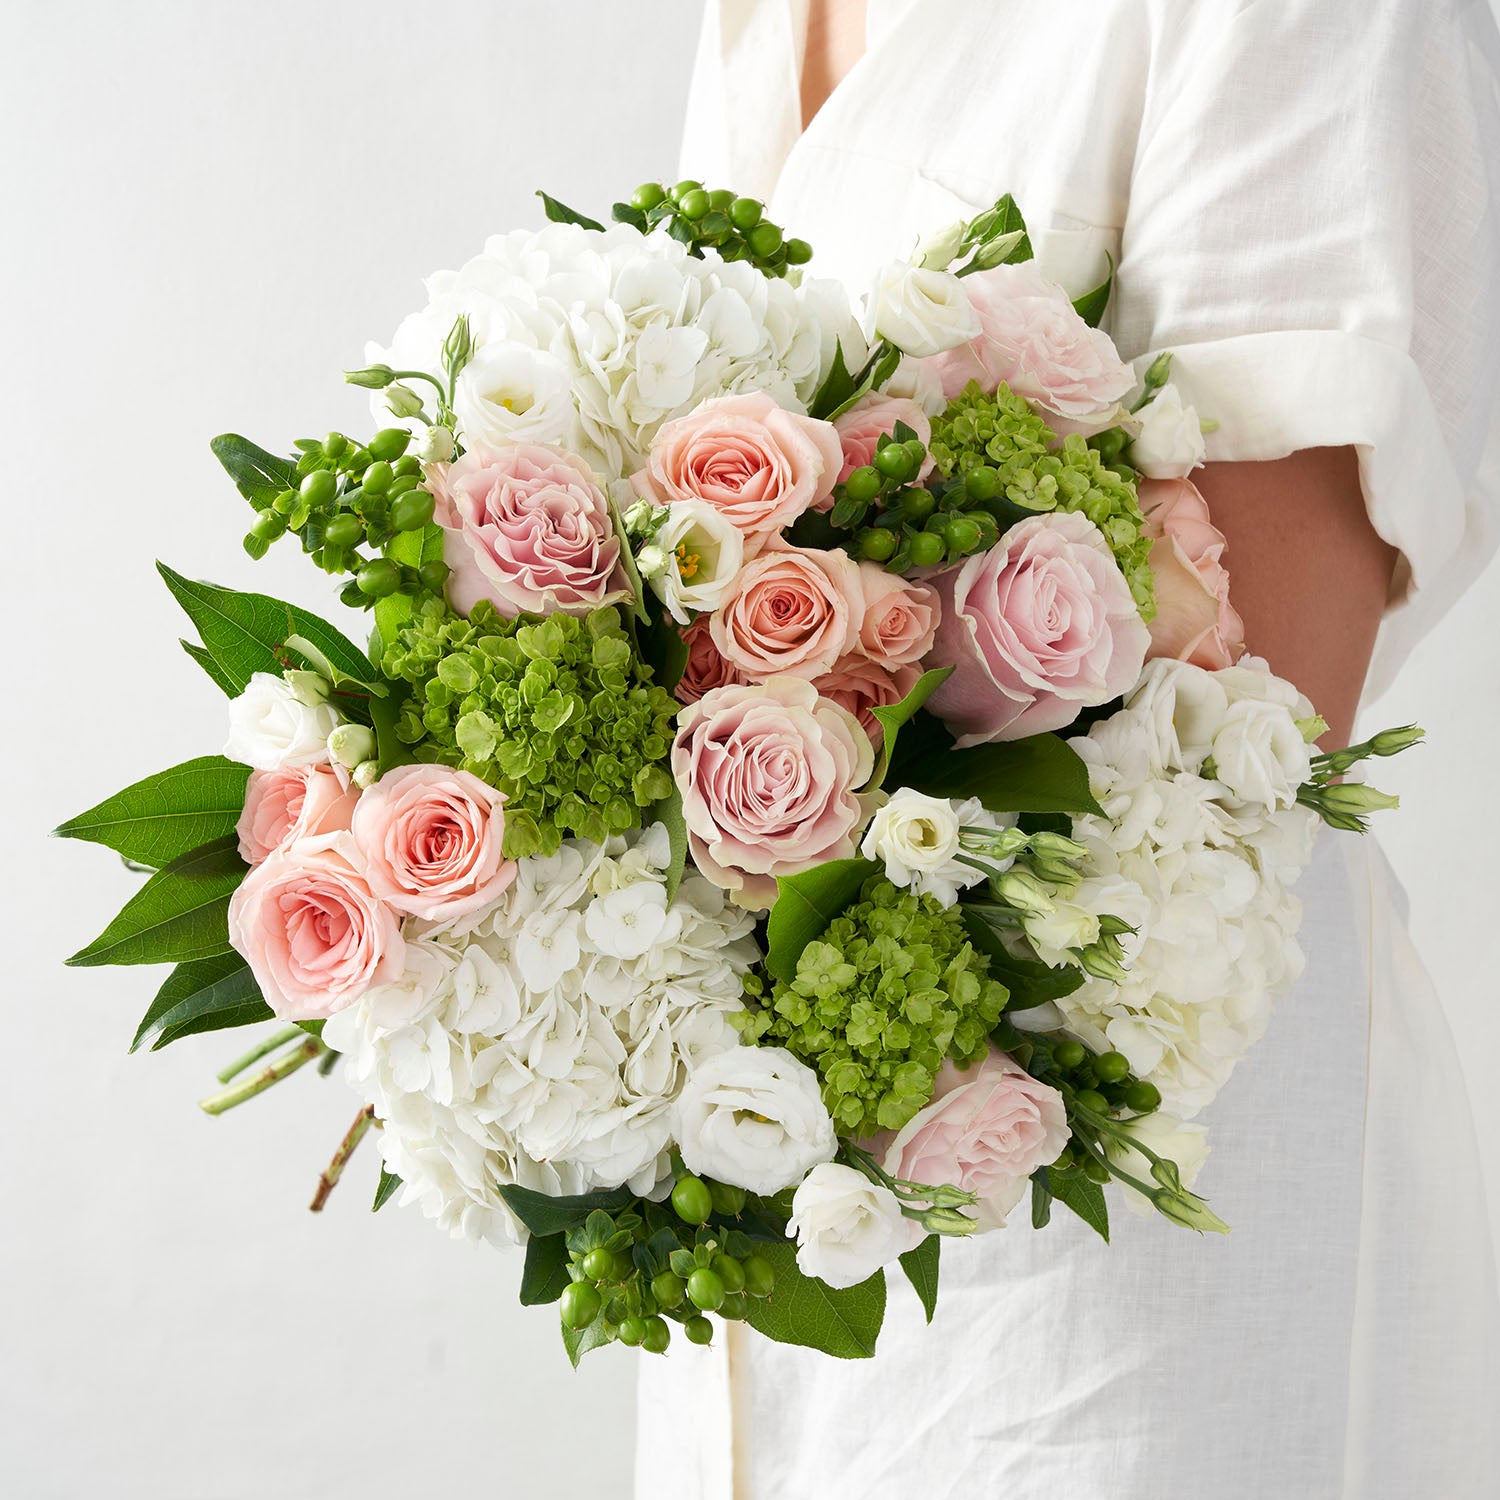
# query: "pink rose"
{"type": "Point", "coordinates": [768, 776]}
{"type": "Point", "coordinates": [296, 802]}
{"type": "Point", "coordinates": [527, 528]}
{"type": "Point", "coordinates": [1033, 340]}
{"type": "Point", "coordinates": [760, 465]}
{"type": "Point", "coordinates": [706, 669]}
{"type": "Point", "coordinates": [900, 617]}
{"type": "Point", "coordinates": [987, 1129]}
{"type": "Point", "coordinates": [315, 937]}
{"type": "Point", "coordinates": [1038, 628]}
{"type": "Point", "coordinates": [1195, 621]}
{"type": "Point", "coordinates": [859, 685]}
{"type": "Point", "coordinates": [791, 611]}
{"type": "Point", "coordinates": [430, 837]}
{"type": "Point", "coordinates": [861, 427]}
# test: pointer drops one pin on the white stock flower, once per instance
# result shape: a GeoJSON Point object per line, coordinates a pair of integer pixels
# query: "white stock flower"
{"type": "Point", "coordinates": [271, 728]}
{"type": "Point", "coordinates": [846, 1226]}
{"type": "Point", "coordinates": [918, 839]}
{"type": "Point", "coordinates": [1169, 440]}
{"type": "Point", "coordinates": [1260, 755]}
{"type": "Point", "coordinates": [702, 554]}
{"type": "Point", "coordinates": [921, 312]}
{"type": "Point", "coordinates": [754, 1118]}
{"type": "Point", "coordinates": [1179, 1142]}
{"type": "Point", "coordinates": [512, 394]}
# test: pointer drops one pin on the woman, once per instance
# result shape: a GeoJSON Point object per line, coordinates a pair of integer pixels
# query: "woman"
{"type": "Point", "coordinates": [1300, 200]}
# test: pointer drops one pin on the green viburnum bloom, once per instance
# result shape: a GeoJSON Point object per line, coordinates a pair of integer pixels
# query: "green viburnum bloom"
{"type": "Point", "coordinates": [1037, 474]}
{"type": "Point", "coordinates": [560, 714]}
{"type": "Point", "coordinates": [891, 989]}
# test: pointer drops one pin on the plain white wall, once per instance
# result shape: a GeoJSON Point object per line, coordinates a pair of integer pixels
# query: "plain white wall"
{"type": "Point", "coordinates": [209, 207]}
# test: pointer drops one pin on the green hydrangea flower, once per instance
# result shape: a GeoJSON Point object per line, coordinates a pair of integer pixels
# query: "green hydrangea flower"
{"type": "Point", "coordinates": [560, 714]}
{"type": "Point", "coordinates": [1037, 475]}
{"type": "Point", "coordinates": [891, 989]}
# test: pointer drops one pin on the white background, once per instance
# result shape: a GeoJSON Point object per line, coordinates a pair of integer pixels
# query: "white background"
{"type": "Point", "coordinates": [208, 208]}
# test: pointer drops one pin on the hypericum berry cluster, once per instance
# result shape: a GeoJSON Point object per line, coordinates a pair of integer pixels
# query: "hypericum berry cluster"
{"type": "Point", "coordinates": [736, 228]}
{"type": "Point", "coordinates": [354, 495]}
{"type": "Point", "coordinates": [892, 988]}
{"type": "Point", "coordinates": [1000, 434]}
{"type": "Point", "coordinates": [560, 714]}
{"type": "Point", "coordinates": [633, 1275]}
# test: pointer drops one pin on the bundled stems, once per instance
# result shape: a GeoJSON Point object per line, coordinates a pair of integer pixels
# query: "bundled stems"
{"type": "Point", "coordinates": [261, 1049]}
{"type": "Point", "coordinates": [335, 1168]}
{"type": "Point", "coordinates": [258, 1082]}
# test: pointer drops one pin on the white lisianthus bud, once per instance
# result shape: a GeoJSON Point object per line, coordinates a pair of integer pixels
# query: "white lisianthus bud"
{"type": "Point", "coordinates": [1184, 1144]}
{"type": "Point", "coordinates": [366, 774]}
{"type": "Point", "coordinates": [271, 728]}
{"type": "Point", "coordinates": [935, 251]}
{"type": "Point", "coordinates": [310, 688]}
{"type": "Point", "coordinates": [1259, 753]}
{"type": "Point", "coordinates": [846, 1226]}
{"type": "Point", "coordinates": [403, 401]}
{"type": "Point", "coordinates": [1169, 443]}
{"type": "Point", "coordinates": [919, 838]}
{"type": "Point", "coordinates": [921, 312]}
{"type": "Point", "coordinates": [350, 744]}
{"type": "Point", "coordinates": [651, 562]}
{"type": "Point", "coordinates": [703, 551]}
{"type": "Point", "coordinates": [434, 445]}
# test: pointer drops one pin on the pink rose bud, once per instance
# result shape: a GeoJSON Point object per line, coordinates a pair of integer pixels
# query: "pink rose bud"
{"type": "Point", "coordinates": [294, 803]}
{"type": "Point", "coordinates": [863, 425]}
{"type": "Point", "coordinates": [706, 668]}
{"type": "Point", "coordinates": [1037, 629]}
{"type": "Point", "coordinates": [900, 617]}
{"type": "Point", "coordinates": [431, 837]}
{"type": "Point", "coordinates": [1195, 621]}
{"type": "Point", "coordinates": [860, 685]}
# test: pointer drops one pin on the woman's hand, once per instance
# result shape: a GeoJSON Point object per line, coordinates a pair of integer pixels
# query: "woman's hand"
{"type": "Point", "coordinates": [1307, 572]}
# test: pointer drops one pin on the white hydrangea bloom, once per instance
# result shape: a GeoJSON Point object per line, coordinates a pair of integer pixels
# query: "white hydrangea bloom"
{"type": "Point", "coordinates": [630, 327]}
{"type": "Point", "coordinates": [545, 1040]}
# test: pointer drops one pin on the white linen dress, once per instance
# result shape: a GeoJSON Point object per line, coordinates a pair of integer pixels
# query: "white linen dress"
{"type": "Point", "coordinates": [1302, 198]}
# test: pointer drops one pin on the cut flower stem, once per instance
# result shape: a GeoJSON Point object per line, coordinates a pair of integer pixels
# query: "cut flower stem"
{"type": "Point", "coordinates": [335, 1168]}
{"type": "Point", "coordinates": [257, 1083]}
{"type": "Point", "coordinates": [261, 1049]}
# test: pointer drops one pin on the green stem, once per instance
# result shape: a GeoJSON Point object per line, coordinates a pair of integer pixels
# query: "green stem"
{"type": "Point", "coordinates": [254, 1055]}
{"type": "Point", "coordinates": [335, 1168]}
{"type": "Point", "coordinates": [257, 1083]}
{"type": "Point", "coordinates": [423, 375]}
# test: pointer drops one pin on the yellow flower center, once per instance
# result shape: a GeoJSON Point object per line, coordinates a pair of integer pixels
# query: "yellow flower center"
{"type": "Point", "coordinates": [688, 563]}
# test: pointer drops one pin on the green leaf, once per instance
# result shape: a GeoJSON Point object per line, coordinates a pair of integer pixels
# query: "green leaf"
{"type": "Point", "coordinates": [560, 213]}
{"type": "Point", "coordinates": [1000, 222]}
{"type": "Point", "coordinates": [1085, 1198]}
{"type": "Point", "coordinates": [154, 820]}
{"type": "Point", "coordinates": [543, 1214]}
{"type": "Point", "coordinates": [1041, 774]}
{"type": "Point", "coordinates": [243, 632]}
{"type": "Point", "coordinates": [1029, 980]}
{"type": "Point", "coordinates": [662, 647]}
{"type": "Point", "coordinates": [413, 548]}
{"type": "Point", "coordinates": [579, 1341]}
{"type": "Point", "coordinates": [668, 812]}
{"type": "Point", "coordinates": [921, 1267]}
{"type": "Point", "coordinates": [259, 476]}
{"type": "Point", "coordinates": [1091, 305]}
{"type": "Point", "coordinates": [205, 659]}
{"type": "Point", "coordinates": [838, 386]}
{"type": "Point", "coordinates": [805, 905]}
{"type": "Point", "coordinates": [892, 716]}
{"type": "Point", "coordinates": [208, 994]}
{"type": "Point", "coordinates": [546, 1271]}
{"type": "Point", "coordinates": [385, 1190]}
{"type": "Point", "coordinates": [803, 1310]}
{"type": "Point", "coordinates": [1041, 1199]}
{"type": "Point", "coordinates": [181, 913]}
{"type": "Point", "coordinates": [627, 561]}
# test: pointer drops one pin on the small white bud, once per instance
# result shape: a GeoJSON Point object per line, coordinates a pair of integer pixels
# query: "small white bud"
{"type": "Point", "coordinates": [434, 445]}
{"type": "Point", "coordinates": [308, 688]}
{"type": "Point", "coordinates": [366, 774]}
{"type": "Point", "coordinates": [650, 560]}
{"type": "Point", "coordinates": [350, 744]}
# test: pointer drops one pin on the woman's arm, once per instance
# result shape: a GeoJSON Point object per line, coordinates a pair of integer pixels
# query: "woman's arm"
{"type": "Point", "coordinates": [1307, 572]}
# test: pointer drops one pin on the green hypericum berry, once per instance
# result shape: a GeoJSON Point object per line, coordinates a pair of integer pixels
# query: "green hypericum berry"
{"type": "Point", "coordinates": [698, 1329]}
{"type": "Point", "coordinates": [1064, 1160]}
{"type": "Point", "coordinates": [917, 505]}
{"type": "Point", "coordinates": [647, 196]}
{"type": "Point", "coordinates": [389, 443]}
{"type": "Point", "coordinates": [335, 445]}
{"type": "Point", "coordinates": [693, 204]}
{"type": "Point", "coordinates": [877, 544]}
{"type": "Point", "coordinates": [926, 550]}
{"type": "Point", "coordinates": [657, 1336]}
{"type": "Point", "coordinates": [798, 252]}
{"type": "Point", "coordinates": [760, 1275]}
{"type": "Point", "coordinates": [412, 511]}
{"type": "Point", "coordinates": [683, 188]}
{"type": "Point", "coordinates": [268, 526]}
{"type": "Point", "coordinates": [377, 478]}
{"type": "Point", "coordinates": [1092, 1099]}
{"type": "Point", "coordinates": [705, 1289]}
{"type": "Point", "coordinates": [1095, 1170]}
{"type": "Point", "coordinates": [318, 489]}
{"type": "Point", "coordinates": [378, 578]}
{"type": "Point", "coordinates": [632, 1331]}
{"type": "Point", "coordinates": [734, 1307]}
{"type": "Point", "coordinates": [728, 1200]}
{"type": "Point", "coordinates": [745, 213]}
{"type": "Point", "coordinates": [1111, 1067]}
{"type": "Point", "coordinates": [692, 1200]}
{"type": "Point", "coordinates": [598, 1265]}
{"type": "Point", "coordinates": [344, 530]}
{"type": "Point", "coordinates": [720, 200]}
{"type": "Point", "coordinates": [668, 1288]}
{"type": "Point", "coordinates": [731, 1272]}
{"type": "Point", "coordinates": [1142, 1097]}
{"type": "Point", "coordinates": [863, 483]}
{"type": "Point", "coordinates": [764, 240]}
{"type": "Point", "coordinates": [894, 462]}
{"type": "Point", "coordinates": [579, 1305]}
{"type": "Point", "coordinates": [1069, 1055]}
{"type": "Point", "coordinates": [962, 534]}
{"type": "Point", "coordinates": [433, 574]}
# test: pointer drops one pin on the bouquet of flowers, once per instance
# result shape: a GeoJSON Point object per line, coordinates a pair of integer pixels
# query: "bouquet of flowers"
{"type": "Point", "coordinates": [804, 792]}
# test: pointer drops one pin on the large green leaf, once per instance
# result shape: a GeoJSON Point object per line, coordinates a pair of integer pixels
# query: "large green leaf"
{"type": "Point", "coordinates": [838, 386]}
{"type": "Point", "coordinates": [546, 1271]}
{"type": "Point", "coordinates": [1029, 980]}
{"type": "Point", "coordinates": [156, 819]}
{"type": "Point", "coordinates": [242, 632]}
{"type": "Point", "coordinates": [205, 659]}
{"type": "Point", "coordinates": [1041, 774]}
{"type": "Point", "coordinates": [668, 812]}
{"type": "Point", "coordinates": [259, 476]}
{"type": "Point", "coordinates": [543, 1214]}
{"type": "Point", "coordinates": [180, 914]}
{"type": "Point", "coordinates": [805, 905]}
{"type": "Point", "coordinates": [560, 213]}
{"type": "Point", "coordinates": [803, 1310]}
{"type": "Point", "coordinates": [1084, 1197]}
{"type": "Point", "coordinates": [208, 994]}
{"type": "Point", "coordinates": [579, 1341]}
{"type": "Point", "coordinates": [385, 1189]}
{"type": "Point", "coordinates": [921, 1267]}
{"type": "Point", "coordinates": [893, 716]}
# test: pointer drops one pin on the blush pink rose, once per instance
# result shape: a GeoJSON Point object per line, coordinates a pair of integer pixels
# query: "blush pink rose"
{"type": "Point", "coordinates": [861, 428]}
{"type": "Point", "coordinates": [1033, 340]}
{"type": "Point", "coordinates": [431, 837]}
{"type": "Point", "coordinates": [314, 935]}
{"type": "Point", "coordinates": [706, 669]}
{"type": "Point", "coordinates": [769, 777]}
{"type": "Point", "coordinates": [527, 528]}
{"type": "Point", "coordinates": [758, 464]}
{"type": "Point", "coordinates": [1037, 629]}
{"type": "Point", "coordinates": [900, 617]}
{"type": "Point", "coordinates": [987, 1129]}
{"type": "Point", "coordinates": [296, 802]}
{"type": "Point", "coordinates": [1195, 621]}
{"type": "Point", "coordinates": [860, 685]}
{"type": "Point", "coordinates": [791, 611]}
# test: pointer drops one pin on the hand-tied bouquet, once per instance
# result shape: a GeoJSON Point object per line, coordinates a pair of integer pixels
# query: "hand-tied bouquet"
{"type": "Point", "coordinates": [694, 862]}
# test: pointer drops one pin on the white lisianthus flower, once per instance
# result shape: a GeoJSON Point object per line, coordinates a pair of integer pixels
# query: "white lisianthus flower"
{"type": "Point", "coordinates": [846, 1226]}
{"type": "Point", "coordinates": [1184, 705]}
{"type": "Point", "coordinates": [754, 1117]}
{"type": "Point", "coordinates": [921, 312]}
{"type": "Point", "coordinates": [1260, 755]}
{"type": "Point", "coordinates": [915, 381]}
{"type": "Point", "coordinates": [271, 728]}
{"type": "Point", "coordinates": [919, 839]}
{"type": "Point", "coordinates": [1169, 443]}
{"type": "Point", "coordinates": [702, 553]}
{"type": "Point", "coordinates": [1185, 1144]}
{"type": "Point", "coordinates": [512, 394]}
